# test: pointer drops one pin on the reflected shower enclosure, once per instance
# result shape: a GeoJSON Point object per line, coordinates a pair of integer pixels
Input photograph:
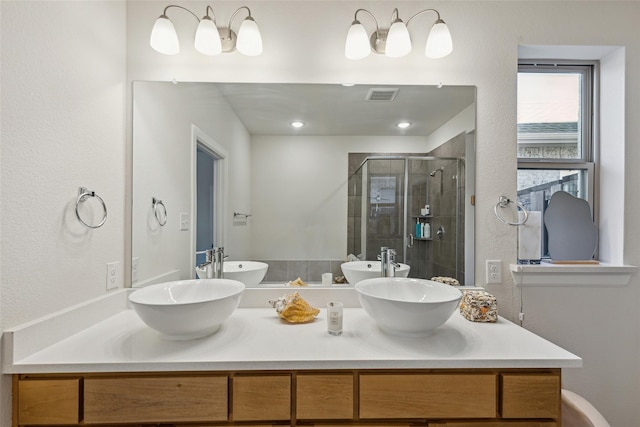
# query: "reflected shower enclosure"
{"type": "Point", "coordinates": [386, 196]}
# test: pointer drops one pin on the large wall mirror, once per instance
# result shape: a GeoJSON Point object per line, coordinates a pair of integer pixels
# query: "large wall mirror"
{"type": "Point", "coordinates": [223, 164]}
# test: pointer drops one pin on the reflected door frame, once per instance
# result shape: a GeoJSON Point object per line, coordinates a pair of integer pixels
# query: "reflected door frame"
{"type": "Point", "coordinates": [200, 139]}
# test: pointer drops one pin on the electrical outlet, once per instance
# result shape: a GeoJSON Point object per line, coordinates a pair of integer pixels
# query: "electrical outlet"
{"type": "Point", "coordinates": [494, 271]}
{"type": "Point", "coordinates": [113, 275]}
{"type": "Point", "coordinates": [134, 270]}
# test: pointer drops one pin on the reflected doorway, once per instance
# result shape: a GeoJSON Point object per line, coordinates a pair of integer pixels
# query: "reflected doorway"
{"type": "Point", "coordinates": [208, 194]}
{"type": "Point", "coordinates": [205, 201]}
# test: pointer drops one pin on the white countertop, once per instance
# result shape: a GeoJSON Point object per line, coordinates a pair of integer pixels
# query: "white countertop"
{"type": "Point", "coordinates": [257, 339]}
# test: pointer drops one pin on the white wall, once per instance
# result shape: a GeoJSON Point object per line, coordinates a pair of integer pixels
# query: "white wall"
{"type": "Point", "coordinates": [163, 114]}
{"type": "Point", "coordinates": [63, 126]}
{"type": "Point", "coordinates": [295, 214]}
{"type": "Point", "coordinates": [63, 110]}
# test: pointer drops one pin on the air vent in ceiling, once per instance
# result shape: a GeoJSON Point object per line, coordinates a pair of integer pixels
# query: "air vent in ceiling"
{"type": "Point", "coordinates": [382, 94]}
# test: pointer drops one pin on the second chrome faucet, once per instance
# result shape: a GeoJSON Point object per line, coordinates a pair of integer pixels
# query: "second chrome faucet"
{"type": "Point", "coordinates": [388, 262]}
{"type": "Point", "coordinates": [214, 262]}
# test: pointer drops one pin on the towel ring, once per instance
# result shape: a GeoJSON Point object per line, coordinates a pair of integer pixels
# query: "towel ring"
{"type": "Point", "coordinates": [503, 202]}
{"type": "Point", "coordinates": [83, 195]}
{"type": "Point", "coordinates": [156, 203]}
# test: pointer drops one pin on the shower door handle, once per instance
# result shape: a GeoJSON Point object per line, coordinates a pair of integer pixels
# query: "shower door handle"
{"type": "Point", "coordinates": [410, 241]}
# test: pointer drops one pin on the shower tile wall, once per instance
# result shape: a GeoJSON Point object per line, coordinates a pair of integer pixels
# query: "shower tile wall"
{"type": "Point", "coordinates": [282, 271]}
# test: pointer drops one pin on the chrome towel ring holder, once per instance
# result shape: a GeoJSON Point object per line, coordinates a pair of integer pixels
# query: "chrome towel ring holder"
{"type": "Point", "coordinates": [504, 202]}
{"type": "Point", "coordinates": [161, 217]}
{"type": "Point", "coordinates": [83, 195]}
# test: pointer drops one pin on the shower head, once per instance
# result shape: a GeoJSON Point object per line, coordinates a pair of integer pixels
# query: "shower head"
{"type": "Point", "coordinates": [433, 173]}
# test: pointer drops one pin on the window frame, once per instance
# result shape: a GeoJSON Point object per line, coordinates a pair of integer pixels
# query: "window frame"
{"type": "Point", "coordinates": [587, 130]}
{"type": "Point", "coordinates": [588, 125]}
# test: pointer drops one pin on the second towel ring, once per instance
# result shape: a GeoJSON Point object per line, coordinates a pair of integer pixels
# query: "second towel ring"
{"type": "Point", "coordinates": [162, 218]}
{"type": "Point", "coordinates": [83, 195]}
{"type": "Point", "coordinates": [503, 202]}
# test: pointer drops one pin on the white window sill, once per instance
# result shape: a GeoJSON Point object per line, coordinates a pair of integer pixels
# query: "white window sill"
{"type": "Point", "coordinates": [547, 274]}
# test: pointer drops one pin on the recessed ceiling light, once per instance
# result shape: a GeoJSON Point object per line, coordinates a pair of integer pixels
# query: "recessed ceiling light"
{"type": "Point", "coordinates": [348, 84]}
{"type": "Point", "coordinates": [297, 124]}
{"type": "Point", "coordinates": [403, 125]}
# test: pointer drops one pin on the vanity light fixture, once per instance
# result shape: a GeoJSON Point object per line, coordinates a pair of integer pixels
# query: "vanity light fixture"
{"type": "Point", "coordinates": [395, 42]}
{"type": "Point", "coordinates": [209, 39]}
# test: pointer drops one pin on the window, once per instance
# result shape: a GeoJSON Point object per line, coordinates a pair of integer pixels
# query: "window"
{"type": "Point", "coordinates": [555, 132]}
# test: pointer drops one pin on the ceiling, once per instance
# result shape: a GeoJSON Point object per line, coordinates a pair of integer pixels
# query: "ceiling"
{"type": "Point", "coordinates": [333, 109]}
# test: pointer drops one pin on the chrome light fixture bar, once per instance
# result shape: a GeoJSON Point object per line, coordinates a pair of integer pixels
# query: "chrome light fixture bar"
{"type": "Point", "coordinates": [395, 41]}
{"type": "Point", "coordinates": [209, 40]}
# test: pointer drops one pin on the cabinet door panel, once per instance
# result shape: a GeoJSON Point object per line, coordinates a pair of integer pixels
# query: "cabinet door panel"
{"type": "Point", "coordinates": [530, 395]}
{"type": "Point", "coordinates": [164, 399]}
{"type": "Point", "coordinates": [261, 398]}
{"type": "Point", "coordinates": [495, 424]}
{"type": "Point", "coordinates": [49, 402]}
{"type": "Point", "coordinates": [428, 396]}
{"type": "Point", "coordinates": [324, 396]}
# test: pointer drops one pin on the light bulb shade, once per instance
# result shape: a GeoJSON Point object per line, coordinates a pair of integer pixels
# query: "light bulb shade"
{"type": "Point", "coordinates": [439, 43]}
{"type": "Point", "coordinates": [398, 40]}
{"type": "Point", "coordinates": [249, 39]}
{"type": "Point", "coordinates": [207, 40]}
{"type": "Point", "coordinates": [163, 37]}
{"type": "Point", "coordinates": [357, 45]}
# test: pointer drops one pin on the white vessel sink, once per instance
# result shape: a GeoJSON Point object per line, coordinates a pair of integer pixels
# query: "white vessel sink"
{"type": "Point", "coordinates": [407, 307]}
{"type": "Point", "coordinates": [187, 309]}
{"type": "Point", "coordinates": [356, 271]}
{"type": "Point", "coordinates": [250, 273]}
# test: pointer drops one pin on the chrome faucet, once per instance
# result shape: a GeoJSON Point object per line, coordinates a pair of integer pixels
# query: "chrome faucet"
{"type": "Point", "coordinates": [388, 262]}
{"type": "Point", "coordinates": [214, 262]}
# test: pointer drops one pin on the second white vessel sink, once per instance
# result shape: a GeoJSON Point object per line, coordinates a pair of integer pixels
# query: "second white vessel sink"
{"type": "Point", "coordinates": [407, 307]}
{"type": "Point", "coordinates": [187, 309]}
{"type": "Point", "coordinates": [250, 273]}
{"type": "Point", "coordinates": [355, 271]}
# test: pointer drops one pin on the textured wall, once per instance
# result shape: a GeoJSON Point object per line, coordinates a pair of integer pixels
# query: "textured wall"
{"type": "Point", "coordinates": [63, 126]}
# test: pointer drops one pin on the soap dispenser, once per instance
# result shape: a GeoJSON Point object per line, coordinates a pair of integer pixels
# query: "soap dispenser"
{"type": "Point", "coordinates": [418, 228]}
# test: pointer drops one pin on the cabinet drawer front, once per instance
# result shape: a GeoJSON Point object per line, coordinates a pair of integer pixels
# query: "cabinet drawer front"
{"type": "Point", "coordinates": [530, 396]}
{"type": "Point", "coordinates": [164, 399]}
{"type": "Point", "coordinates": [48, 401]}
{"type": "Point", "coordinates": [324, 397]}
{"type": "Point", "coordinates": [495, 424]}
{"type": "Point", "coordinates": [261, 398]}
{"type": "Point", "coordinates": [428, 396]}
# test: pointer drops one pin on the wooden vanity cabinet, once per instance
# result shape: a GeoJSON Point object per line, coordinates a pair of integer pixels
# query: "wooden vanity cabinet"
{"type": "Point", "coordinates": [47, 401]}
{"type": "Point", "coordinates": [261, 397]}
{"type": "Point", "coordinates": [325, 396]}
{"type": "Point", "coordinates": [155, 399]}
{"type": "Point", "coordinates": [372, 398]}
{"type": "Point", "coordinates": [449, 395]}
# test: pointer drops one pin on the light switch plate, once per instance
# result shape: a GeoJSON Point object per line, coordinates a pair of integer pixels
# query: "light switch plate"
{"type": "Point", "coordinates": [113, 275]}
{"type": "Point", "coordinates": [185, 222]}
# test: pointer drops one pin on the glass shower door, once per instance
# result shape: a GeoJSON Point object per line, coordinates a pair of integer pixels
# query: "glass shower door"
{"type": "Point", "coordinates": [384, 206]}
{"type": "Point", "coordinates": [437, 249]}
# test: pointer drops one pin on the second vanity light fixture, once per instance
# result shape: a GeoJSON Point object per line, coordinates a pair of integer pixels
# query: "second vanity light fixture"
{"type": "Point", "coordinates": [209, 40]}
{"type": "Point", "coordinates": [395, 42]}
